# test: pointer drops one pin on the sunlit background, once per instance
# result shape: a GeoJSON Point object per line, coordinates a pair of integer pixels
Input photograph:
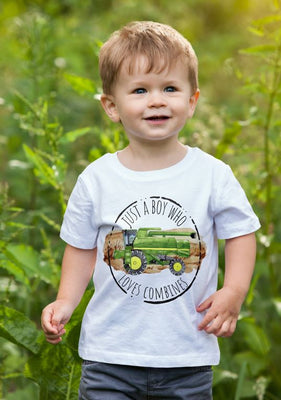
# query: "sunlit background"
{"type": "Point", "coordinates": [52, 126]}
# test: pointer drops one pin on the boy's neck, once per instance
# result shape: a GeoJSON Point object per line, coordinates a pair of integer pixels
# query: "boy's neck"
{"type": "Point", "coordinates": [152, 156]}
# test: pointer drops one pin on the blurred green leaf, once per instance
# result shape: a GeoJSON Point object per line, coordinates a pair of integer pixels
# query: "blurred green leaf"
{"type": "Point", "coordinates": [277, 304]}
{"type": "Point", "coordinates": [43, 171]}
{"type": "Point", "coordinates": [17, 328]}
{"type": "Point", "coordinates": [269, 19]}
{"type": "Point", "coordinates": [24, 256]}
{"type": "Point", "coordinates": [71, 136]}
{"type": "Point", "coordinates": [255, 362]}
{"type": "Point", "coordinates": [50, 222]}
{"type": "Point", "coordinates": [256, 31]}
{"type": "Point", "coordinates": [57, 372]}
{"type": "Point", "coordinates": [15, 271]}
{"type": "Point", "coordinates": [81, 85]}
{"type": "Point", "coordinates": [259, 50]}
{"type": "Point", "coordinates": [255, 336]}
{"type": "Point", "coordinates": [24, 263]}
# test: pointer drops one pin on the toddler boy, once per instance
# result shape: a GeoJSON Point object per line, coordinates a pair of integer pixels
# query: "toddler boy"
{"type": "Point", "coordinates": [146, 220]}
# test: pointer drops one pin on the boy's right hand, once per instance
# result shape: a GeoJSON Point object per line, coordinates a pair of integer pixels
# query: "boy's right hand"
{"type": "Point", "coordinates": [53, 319]}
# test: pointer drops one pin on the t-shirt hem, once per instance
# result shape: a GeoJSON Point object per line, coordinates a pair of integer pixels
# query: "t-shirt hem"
{"type": "Point", "coordinates": [171, 361]}
{"type": "Point", "coordinates": [239, 230]}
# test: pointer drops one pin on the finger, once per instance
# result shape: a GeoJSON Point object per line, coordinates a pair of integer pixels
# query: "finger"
{"type": "Point", "coordinates": [222, 329]}
{"type": "Point", "coordinates": [205, 305]}
{"type": "Point", "coordinates": [207, 320]}
{"type": "Point", "coordinates": [49, 328]}
{"type": "Point", "coordinates": [52, 320]}
{"type": "Point", "coordinates": [54, 341]}
{"type": "Point", "coordinates": [57, 333]}
{"type": "Point", "coordinates": [231, 328]}
{"type": "Point", "coordinates": [227, 329]}
{"type": "Point", "coordinates": [58, 318]}
{"type": "Point", "coordinates": [214, 326]}
{"type": "Point", "coordinates": [52, 330]}
{"type": "Point", "coordinates": [46, 321]}
{"type": "Point", "coordinates": [54, 338]}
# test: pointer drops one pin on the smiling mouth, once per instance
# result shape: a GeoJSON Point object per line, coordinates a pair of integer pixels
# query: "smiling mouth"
{"type": "Point", "coordinates": [157, 118]}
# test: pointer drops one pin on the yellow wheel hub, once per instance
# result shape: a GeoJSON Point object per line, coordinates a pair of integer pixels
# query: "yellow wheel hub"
{"type": "Point", "coordinates": [135, 263]}
{"type": "Point", "coordinates": [177, 267]}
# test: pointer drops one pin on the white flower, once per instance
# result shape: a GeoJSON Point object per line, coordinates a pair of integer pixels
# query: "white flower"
{"type": "Point", "coordinates": [60, 62]}
{"type": "Point", "coordinates": [97, 96]}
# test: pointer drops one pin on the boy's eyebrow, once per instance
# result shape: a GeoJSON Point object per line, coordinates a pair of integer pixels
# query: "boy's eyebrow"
{"type": "Point", "coordinates": [163, 78]}
{"type": "Point", "coordinates": [165, 82]}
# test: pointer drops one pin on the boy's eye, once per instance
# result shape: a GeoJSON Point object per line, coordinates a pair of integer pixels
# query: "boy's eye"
{"type": "Point", "coordinates": [140, 91]}
{"type": "Point", "coordinates": [170, 89]}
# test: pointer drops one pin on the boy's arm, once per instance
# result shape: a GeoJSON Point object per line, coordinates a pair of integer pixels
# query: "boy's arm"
{"type": "Point", "coordinates": [77, 269]}
{"type": "Point", "coordinates": [223, 306]}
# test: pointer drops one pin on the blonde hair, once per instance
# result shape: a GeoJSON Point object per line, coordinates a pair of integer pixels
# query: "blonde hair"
{"type": "Point", "coordinates": [160, 44]}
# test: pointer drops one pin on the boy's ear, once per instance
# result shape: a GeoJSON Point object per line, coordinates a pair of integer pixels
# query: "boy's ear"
{"type": "Point", "coordinates": [109, 106]}
{"type": "Point", "coordinates": [193, 102]}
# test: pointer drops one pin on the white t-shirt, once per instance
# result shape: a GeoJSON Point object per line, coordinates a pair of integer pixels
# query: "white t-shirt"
{"type": "Point", "coordinates": [156, 234]}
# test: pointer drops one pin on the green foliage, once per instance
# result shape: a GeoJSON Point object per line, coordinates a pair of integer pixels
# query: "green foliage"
{"type": "Point", "coordinates": [81, 85]}
{"type": "Point", "coordinates": [53, 127]}
{"type": "Point", "coordinates": [57, 369]}
{"type": "Point", "coordinates": [256, 368]}
{"type": "Point", "coordinates": [9, 229]}
{"type": "Point", "coordinates": [17, 328]}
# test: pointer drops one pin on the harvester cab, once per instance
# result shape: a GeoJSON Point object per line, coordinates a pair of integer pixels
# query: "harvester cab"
{"type": "Point", "coordinates": [129, 236]}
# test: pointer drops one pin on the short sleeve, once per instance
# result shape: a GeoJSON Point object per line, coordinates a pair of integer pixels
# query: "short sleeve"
{"type": "Point", "coordinates": [232, 212]}
{"type": "Point", "coordinates": [78, 228]}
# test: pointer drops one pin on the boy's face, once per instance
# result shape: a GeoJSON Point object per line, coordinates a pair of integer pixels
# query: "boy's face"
{"type": "Point", "coordinates": [152, 106]}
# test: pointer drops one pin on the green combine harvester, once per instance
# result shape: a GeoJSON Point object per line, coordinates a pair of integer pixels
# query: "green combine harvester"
{"type": "Point", "coordinates": [154, 246]}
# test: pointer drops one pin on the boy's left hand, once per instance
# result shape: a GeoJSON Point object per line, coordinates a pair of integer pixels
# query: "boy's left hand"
{"type": "Point", "coordinates": [223, 310]}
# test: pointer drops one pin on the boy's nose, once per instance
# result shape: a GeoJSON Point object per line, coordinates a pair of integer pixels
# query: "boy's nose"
{"type": "Point", "coordinates": [156, 99]}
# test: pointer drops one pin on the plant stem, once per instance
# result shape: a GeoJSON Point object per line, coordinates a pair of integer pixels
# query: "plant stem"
{"type": "Point", "coordinates": [238, 393]}
{"type": "Point", "coordinates": [70, 382]}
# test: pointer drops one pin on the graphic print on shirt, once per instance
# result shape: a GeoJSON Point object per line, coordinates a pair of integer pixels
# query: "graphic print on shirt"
{"type": "Point", "coordinates": [159, 262]}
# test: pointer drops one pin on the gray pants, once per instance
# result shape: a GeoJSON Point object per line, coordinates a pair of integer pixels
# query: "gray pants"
{"type": "Point", "coordinates": [101, 381]}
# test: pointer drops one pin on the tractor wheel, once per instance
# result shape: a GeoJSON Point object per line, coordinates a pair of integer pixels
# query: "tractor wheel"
{"type": "Point", "coordinates": [177, 267]}
{"type": "Point", "coordinates": [137, 264]}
